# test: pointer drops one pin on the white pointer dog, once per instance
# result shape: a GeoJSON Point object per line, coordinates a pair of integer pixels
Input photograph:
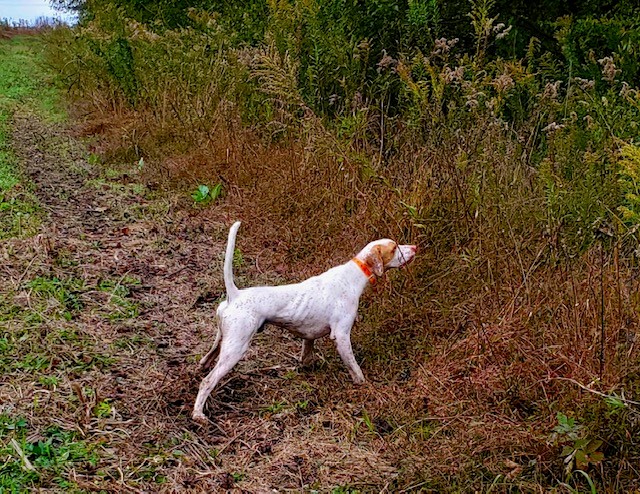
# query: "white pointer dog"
{"type": "Point", "coordinates": [322, 305]}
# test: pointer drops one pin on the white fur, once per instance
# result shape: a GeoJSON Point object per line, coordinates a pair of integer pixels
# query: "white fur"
{"type": "Point", "coordinates": [321, 305]}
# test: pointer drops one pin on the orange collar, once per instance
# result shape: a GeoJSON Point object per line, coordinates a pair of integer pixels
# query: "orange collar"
{"type": "Point", "coordinates": [365, 269]}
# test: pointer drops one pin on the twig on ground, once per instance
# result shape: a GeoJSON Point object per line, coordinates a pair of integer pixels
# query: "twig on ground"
{"type": "Point", "coordinates": [604, 395]}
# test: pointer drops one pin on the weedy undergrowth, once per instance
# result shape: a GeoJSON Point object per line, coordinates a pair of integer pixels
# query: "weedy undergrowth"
{"type": "Point", "coordinates": [28, 461]}
{"type": "Point", "coordinates": [581, 452]}
{"type": "Point", "coordinates": [516, 175]}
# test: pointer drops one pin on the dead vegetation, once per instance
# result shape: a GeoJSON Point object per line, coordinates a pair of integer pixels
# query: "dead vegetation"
{"type": "Point", "coordinates": [463, 391]}
{"type": "Point", "coordinates": [501, 324]}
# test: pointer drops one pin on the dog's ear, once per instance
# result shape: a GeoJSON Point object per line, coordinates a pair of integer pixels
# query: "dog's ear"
{"type": "Point", "coordinates": [375, 261]}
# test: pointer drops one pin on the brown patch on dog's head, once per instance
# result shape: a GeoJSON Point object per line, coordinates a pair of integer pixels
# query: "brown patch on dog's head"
{"type": "Point", "coordinates": [379, 256]}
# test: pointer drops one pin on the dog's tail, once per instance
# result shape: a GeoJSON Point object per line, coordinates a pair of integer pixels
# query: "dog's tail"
{"type": "Point", "coordinates": [232, 289]}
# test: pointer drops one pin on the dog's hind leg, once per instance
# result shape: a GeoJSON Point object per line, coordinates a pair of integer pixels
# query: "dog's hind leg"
{"type": "Point", "coordinates": [232, 348]}
{"type": "Point", "coordinates": [207, 361]}
{"type": "Point", "coordinates": [307, 353]}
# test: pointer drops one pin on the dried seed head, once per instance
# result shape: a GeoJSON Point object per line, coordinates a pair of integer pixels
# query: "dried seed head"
{"type": "Point", "coordinates": [609, 70]}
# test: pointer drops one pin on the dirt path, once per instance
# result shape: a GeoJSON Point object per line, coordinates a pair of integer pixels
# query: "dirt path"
{"type": "Point", "coordinates": [103, 315]}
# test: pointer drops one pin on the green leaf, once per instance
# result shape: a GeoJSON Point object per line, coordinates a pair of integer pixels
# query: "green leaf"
{"type": "Point", "coordinates": [588, 479]}
{"type": "Point", "coordinates": [412, 210]}
{"type": "Point", "coordinates": [614, 402]}
{"type": "Point", "coordinates": [596, 457]}
{"type": "Point", "coordinates": [215, 193]}
{"type": "Point", "coordinates": [201, 194]}
{"type": "Point", "coordinates": [581, 443]}
{"type": "Point", "coordinates": [205, 195]}
{"type": "Point", "coordinates": [593, 445]}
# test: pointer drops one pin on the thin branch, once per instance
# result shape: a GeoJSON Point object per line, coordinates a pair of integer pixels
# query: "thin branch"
{"type": "Point", "coordinates": [604, 395]}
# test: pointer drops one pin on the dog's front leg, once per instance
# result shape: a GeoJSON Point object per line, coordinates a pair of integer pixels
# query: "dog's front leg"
{"type": "Point", "coordinates": [342, 336]}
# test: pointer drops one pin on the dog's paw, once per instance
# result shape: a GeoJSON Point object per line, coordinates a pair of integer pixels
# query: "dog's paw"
{"type": "Point", "coordinates": [199, 418]}
{"type": "Point", "coordinates": [307, 363]}
{"type": "Point", "coordinates": [358, 380]}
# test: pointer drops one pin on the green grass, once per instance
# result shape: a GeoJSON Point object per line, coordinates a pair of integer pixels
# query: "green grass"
{"type": "Point", "coordinates": [65, 292]}
{"type": "Point", "coordinates": [24, 87]}
{"type": "Point", "coordinates": [28, 460]}
{"type": "Point", "coordinates": [120, 305]}
{"type": "Point", "coordinates": [26, 81]}
{"type": "Point", "coordinates": [30, 347]}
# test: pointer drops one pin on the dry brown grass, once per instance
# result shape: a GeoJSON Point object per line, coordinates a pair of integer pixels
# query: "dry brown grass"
{"type": "Point", "coordinates": [9, 30]}
{"type": "Point", "coordinates": [469, 353]}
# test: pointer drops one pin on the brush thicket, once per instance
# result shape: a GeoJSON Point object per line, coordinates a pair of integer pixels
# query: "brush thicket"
{"type": "Point", "coordinates": [520, 191]}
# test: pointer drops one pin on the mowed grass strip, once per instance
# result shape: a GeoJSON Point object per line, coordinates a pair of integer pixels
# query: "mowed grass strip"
{"type": "Point", "coordinates": [30, 454]}
{"type": "Point", "coordinates": [25, 86]}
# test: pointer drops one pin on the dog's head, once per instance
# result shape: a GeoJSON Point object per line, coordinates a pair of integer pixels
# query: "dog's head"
{"type": "Point", "coordinates": [384, 254]}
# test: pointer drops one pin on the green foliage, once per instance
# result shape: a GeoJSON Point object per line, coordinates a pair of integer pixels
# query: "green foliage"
{"type": "Point", "coordinates": [567, 426]}
{"type": "Point", "coordinates": [120, 305]}
{"type": "Point", "coordinates": [103, 409]}
{"type": "Point", "coordinates": [49, 381]}
{"type": "Point", "coordinates": [615, 403]}
{"type": "Point", "coordinates": [66, 292]}
{"type": "Point", "coordinates": [275, 407]}
{"type": "Point", "coordinates": [583, 452]}
{"type": "Point", "coordinates": [585, 41]}
{"type": "Point", "coordinates": [238, 258]}
{"type": "Point", "coordinates": [345, 490]}
{"type": "Point", "coordinates": [33, 363]}
{"type": "Point", "coordinates": [629, 179]}
{"type": "Point", "coordinates": [578, 451]}
{"type": "Point", "coordinates": [8, 423]}
{"type": "Point", "coordinates": [30, 462]}
{"type": "Point", "coordinates": [423, 22]}
{"type": "Point", "coordinates": [358, 64]}
{"type": "Point", "coordinates": [204, 195]}
{"type": "Point", "coordinates": [366, 419]}
{"type": "Point", "coordinates": [584, 475]}
{"type": "Point", "coordinates": [21, 79]}
{"type": "Point", "coordinates": [238, 476]}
